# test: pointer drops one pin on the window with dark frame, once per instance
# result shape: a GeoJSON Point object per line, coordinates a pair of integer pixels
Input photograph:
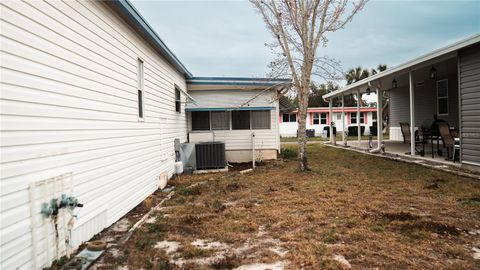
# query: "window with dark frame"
{"type": "Point", "coordinates": [240, 120]}
{"type": "Point", "coordinates": [374, 117]}
{"type": "Point", "coordinates": [201, 120]}
{"type": "Point", "coordinates": [261, 119]}
{"type": "Point", "coordinates": [140, 85]}
{"type": "Point", "coordinates": [289, 117]}
{"type": "Point", "coordinates": [442, 97]}
{"type": "Point", "coordinates": [323, 118]}
{"type": "Point", "coordinates": [178, 101]}
{"type": "Point", "coordinates": [220, 120]}
{"type": "Point", "coordinates": [293, 117]}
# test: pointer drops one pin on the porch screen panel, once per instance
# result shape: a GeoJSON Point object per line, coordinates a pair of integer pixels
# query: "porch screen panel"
{"type": "Point", "coordinates": [470, 105]}
{"type": "Point", "coordinates": [200, 120]}
{"type": "Point", "coordinates": [240, 120]}
{"type": "Point", "coordinates": [260, 119]}
{"type": "Point", "coordinates": [220, 120]}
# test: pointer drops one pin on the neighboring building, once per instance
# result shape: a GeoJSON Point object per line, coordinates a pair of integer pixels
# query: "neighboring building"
{"type": "Point", "coordinates": [92, 102]}
{"type": "Point", "coordinates": [240, 112]}
{"type": "Point", "coordinates": [319, 118]}
{"type": "Point", "coordinates": [443, 84]}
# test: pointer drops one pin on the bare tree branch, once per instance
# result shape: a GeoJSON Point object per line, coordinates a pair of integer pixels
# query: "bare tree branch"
{"type": "Point", "coordinates": [299, 26]}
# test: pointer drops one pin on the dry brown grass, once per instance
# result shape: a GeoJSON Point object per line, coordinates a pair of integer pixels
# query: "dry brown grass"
{"type": "Point", "coordinates": [374, 212]}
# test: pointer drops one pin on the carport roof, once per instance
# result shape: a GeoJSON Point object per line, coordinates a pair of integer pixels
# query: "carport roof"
{"type": "Point", "coordinates": [445, 51]}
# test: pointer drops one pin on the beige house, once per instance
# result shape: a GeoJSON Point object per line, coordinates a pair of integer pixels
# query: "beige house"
{"type": "Point", "coordinates": [241, 112]}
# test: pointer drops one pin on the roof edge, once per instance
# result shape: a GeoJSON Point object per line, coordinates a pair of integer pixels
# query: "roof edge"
{"type": "Point", "coordinates": [127, 11]}
{"type": "Point", "coordinates": [237, 79]}
{"type": "Point", "coordinates": [415, 61]}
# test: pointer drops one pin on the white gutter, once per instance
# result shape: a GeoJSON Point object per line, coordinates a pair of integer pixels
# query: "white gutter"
{"type": "Point", "coordinates": [437, 53]}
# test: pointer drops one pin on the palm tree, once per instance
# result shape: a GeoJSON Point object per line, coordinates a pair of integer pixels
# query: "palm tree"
{"type": "Point", "coordinates": [356, 74]}
{"type": "Point", "coordinates": [380, 68]}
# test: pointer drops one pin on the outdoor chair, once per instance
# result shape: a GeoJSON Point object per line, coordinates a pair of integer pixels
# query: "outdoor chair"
{"type": "Point", "coordinates": [448, 141]}
{"type": "Point", "coordinates": [405, 128]}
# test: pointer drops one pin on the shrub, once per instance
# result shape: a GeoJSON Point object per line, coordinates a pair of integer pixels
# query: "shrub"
{"type": "Point", "coordinates": [288, 153]}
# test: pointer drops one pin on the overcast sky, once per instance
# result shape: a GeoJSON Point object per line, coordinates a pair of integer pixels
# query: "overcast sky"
{"type": "Point", "coordinates": [226, 38]}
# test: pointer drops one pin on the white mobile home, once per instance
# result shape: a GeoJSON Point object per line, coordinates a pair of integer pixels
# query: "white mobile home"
{"type": "Point", "coordinates": [436, 98]}
{"type": "Point", "coordinates": [241, 112]}
{"type": "Point", "coordinates": [88, 110]}
{"type": "Point", "coordinates": [318, 119]}
{"type": "Point", "coordinates": [92, 102]}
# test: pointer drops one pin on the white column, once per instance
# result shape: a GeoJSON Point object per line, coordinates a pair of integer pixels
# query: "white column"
{"type": "Point", "coordinates": [343, 119]}
{"type": "Point", "coordinates": [379, 118]}
{"type": "Point", "coordinates": [412, 115]}
{"type": "Point", "coordinates": [330, 116]}
{"type": "Point", "coordinates": [358, 118]}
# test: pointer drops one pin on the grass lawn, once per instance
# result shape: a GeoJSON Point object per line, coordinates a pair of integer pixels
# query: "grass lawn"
{"type": "Point", "coordinates": [350, 209]}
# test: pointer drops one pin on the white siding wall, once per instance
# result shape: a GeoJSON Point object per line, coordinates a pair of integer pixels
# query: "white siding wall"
{"type": "Point", "coordinates": [232, 98]}
{"type": "Point", "coordinates": [69, 105]}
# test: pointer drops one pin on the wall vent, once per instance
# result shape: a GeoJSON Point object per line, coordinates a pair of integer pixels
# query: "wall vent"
{"type": "Point", "coordinates": [210, 155]}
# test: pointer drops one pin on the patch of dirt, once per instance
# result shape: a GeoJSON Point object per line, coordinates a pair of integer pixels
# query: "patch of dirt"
{"type": "Point", "coordinates": [263, 266]}
{"type": "Point", "coordinates": [236, 167]}
{"type": "Point", "coordinates": [431, 226]}
{"type": "Point", "coordinates": [343, 262]}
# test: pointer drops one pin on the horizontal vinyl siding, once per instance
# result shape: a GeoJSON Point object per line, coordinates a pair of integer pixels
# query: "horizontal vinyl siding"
{"type": "Point", "coordinates": [231, 98]}
{"type": "Point", "coordinates": [425, 102]}
{"type": "Point", "coordinates": [470, 105]}
{"type": "Point", "coordinates": [69, 105]}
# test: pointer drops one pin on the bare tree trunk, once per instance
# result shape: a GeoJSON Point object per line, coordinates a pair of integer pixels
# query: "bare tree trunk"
{"type": "Point", "coordinates": [302, 128]}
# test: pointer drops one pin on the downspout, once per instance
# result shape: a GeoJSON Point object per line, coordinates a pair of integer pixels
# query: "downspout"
{"type": "Point", "coordinates": [253, 150]}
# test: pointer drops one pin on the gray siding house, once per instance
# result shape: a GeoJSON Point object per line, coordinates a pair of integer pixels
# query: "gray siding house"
{"type": "Point", "coordinates": [441, 86]}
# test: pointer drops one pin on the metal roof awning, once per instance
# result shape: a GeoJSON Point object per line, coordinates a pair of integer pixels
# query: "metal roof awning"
{"type": "Point", "coordinates": [437, 55]}
{"type": "Point", "coordinates": [230, 109]}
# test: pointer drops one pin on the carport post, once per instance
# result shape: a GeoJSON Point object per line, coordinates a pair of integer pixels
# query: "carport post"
{"type": "Point", "coordinates": [379, 118]}
{"type": "Point", "coordinates": [358, 117]}
{"type": "Point", "coordinates": [412, 115]}
{"type": "Point", "coordinates": [330, 116]}
{"type": "Point", "coordinates": [343, 118]}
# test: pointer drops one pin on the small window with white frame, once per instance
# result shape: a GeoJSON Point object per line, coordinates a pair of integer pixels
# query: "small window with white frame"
{"type": "Point", "coordinates": [315, 119]}
{"type": "Point", "coordinates": [353, 118]}
{"type": "Point", "coordinates": [374, 117]}
{"type": "Point", "coordinates": [323, 118]}
{"type": "Point", "coordinates": [140, 87]}
{"type": "Point", "coordinates": [442, 97]}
